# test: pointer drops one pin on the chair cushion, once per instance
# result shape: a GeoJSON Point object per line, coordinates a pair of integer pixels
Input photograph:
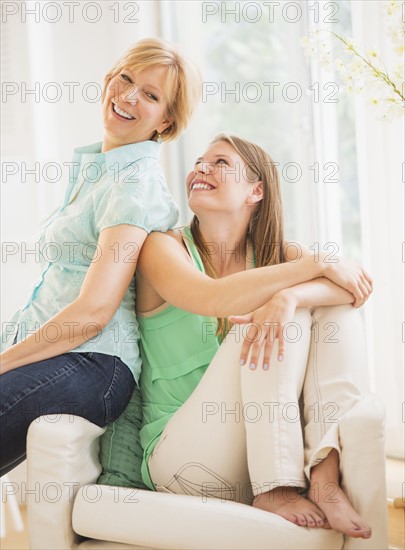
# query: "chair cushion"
{"type": "Point", "coordinates": [183, 522]}
{"type": "Point", "coordinates": [89, 544]}
{"type": "Point", "coordinates": [120, 449]}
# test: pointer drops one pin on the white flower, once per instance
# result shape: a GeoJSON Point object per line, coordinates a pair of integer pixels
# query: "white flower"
{"type": "Point", "coordinates": [356, 66]}
{"type": "Point", "coordinates": [309, 46]}
{"type": "Point", "coordinates": [339, 63]}
{"type": "Point", "coordinates": [326, 60]}
{"type": "Point", "coordinates": [393, 7]}
{"type": "Point", "coordinates": [399, 49]}
{"type": "Point", "coordinates": [396, 34]}
{"type": "Point", "coordinates": [364, 72]}
{"type": "Point", "coordinates": [398, 73]}
{"type": "Point", "coordinates": [393, 112]}
{"type": "Point", "coordinates": [305, 41]}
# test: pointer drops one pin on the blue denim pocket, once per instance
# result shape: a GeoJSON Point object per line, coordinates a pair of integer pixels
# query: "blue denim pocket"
{"type": "Point", "coordinates": [119, 391]}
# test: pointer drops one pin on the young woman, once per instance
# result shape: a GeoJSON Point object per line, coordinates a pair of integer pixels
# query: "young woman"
{"type": "Point", "coordinates": [75, 340]}
{"type": "Point", "coordinates": [221, 419]}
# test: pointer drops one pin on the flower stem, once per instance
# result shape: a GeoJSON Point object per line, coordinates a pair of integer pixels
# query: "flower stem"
{"type": "Point", "coordinates": [381, 75]}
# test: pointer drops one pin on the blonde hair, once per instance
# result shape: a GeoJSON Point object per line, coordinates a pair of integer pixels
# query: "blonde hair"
{"type": "Point", "coordinates": [266, 226]}
{"type": "Point", "coordinates": [183, 81]}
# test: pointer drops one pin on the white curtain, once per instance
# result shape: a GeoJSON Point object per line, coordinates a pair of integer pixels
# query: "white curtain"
{"type": "Point", "coordinates": [354, 203]}
{"type": "Point", "coordinates": [381, 176]}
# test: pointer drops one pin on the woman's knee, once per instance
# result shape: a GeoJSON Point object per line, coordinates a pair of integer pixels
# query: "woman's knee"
{"type": "Point", "coordinates": [336, 312]}
{"type": "Point", "coordinates": [366, 418]}
{"type": "Point", "coordinates": [340, 324]}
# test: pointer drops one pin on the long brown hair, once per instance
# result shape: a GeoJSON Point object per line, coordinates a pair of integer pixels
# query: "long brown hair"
{"type": "Point", "coordinates": [266, 226]}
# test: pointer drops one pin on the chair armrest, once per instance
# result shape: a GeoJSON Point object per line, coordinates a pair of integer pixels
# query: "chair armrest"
{"type": "Point", "coordinates": [363, 469]}
{"type": "Point", "coordinates": [62, 453]}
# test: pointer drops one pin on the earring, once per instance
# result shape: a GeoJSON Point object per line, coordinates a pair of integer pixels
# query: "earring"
{"type": "Point", "coordinates": [159, 139]}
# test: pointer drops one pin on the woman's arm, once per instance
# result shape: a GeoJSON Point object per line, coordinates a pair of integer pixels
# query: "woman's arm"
{"type": "Point", "coordinates": [268, 321]}
{"type": "Point", "coordinates": [165, 265]}
{"type": "Point", "coordinates": [319, 292]}
{"type": "Point", "coordinates": [343, 282]}
{"type": "Point", "coordinates": [102, 291]}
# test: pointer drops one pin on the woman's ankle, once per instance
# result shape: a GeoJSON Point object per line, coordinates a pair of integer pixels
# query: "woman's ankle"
{"type": "Point", "coordinates": [326, 471]}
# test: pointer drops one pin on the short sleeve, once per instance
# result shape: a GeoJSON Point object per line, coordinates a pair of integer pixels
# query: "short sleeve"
{"type": "Point", "coordinates": [140, 197]}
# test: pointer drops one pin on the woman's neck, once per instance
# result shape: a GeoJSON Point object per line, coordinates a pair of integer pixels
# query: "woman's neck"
{"type": "Point", "coordinates": [227, 245]}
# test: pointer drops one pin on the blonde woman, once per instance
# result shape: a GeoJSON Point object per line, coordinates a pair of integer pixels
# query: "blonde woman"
{"type": "Point", "coordinates": [75, 339]}
{"type": "Point", "coordinates": [221, 419]}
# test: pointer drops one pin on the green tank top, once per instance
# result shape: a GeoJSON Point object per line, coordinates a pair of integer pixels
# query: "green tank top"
{"type": "Point", "coordinates": [176, 348]}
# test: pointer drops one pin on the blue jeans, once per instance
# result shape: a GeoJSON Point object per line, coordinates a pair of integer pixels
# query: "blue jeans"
{"type": "Point", "coordinates": [92, 385]}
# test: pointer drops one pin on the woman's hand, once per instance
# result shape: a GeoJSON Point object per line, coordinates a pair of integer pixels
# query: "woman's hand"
{"type": "Point", "coordinates": [352, 277]}
{"type": "Point", "coordinates": [268, 323]}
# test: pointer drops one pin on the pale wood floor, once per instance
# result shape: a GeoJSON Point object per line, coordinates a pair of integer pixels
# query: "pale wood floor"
{"type": "Point", "coordinates": [396, 527]}
{"type": "Point", "coordinates": [396, 516]}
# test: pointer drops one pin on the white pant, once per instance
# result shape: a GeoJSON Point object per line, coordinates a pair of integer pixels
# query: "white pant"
{"type": "Point", "coordinates": [241, 432]}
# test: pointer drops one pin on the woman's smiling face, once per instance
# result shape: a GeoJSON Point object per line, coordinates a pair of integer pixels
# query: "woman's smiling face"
{"type": "Point", "coordinates": [220, 181]}
{"type": "Point", "coordinates": [134, 107]}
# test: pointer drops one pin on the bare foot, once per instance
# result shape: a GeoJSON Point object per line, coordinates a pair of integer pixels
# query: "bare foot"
{"type": "Point", "coordinates": [287, 503]}
{"type": "Point", "coordinates": [340, 514]}
{"type": "Point", "coordinates": [325, 491]}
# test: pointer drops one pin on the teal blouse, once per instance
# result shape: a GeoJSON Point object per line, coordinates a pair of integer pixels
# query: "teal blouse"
{"type": "Point", "coordinates": [121, 186]}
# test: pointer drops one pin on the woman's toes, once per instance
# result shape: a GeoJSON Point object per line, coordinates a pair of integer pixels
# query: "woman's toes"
{"type": "Point", "coordinates": [318, 520]}
{"type": "Point", "coordinates": [301, 520]}
{"type": "Point", "coordinates": [354, 532]}
{"type": "Point", "coordinates": [364, 529]}
{"type": "Point", "coordinates": [310, 521]}
{"type": "Point", "coordinates": [358, 530]}
{"type": "Point", "coordinates": [291, 517]}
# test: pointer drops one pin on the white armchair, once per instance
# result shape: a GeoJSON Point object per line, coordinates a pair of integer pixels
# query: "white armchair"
{"type": "Point", "coordinates": [68, 510]}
